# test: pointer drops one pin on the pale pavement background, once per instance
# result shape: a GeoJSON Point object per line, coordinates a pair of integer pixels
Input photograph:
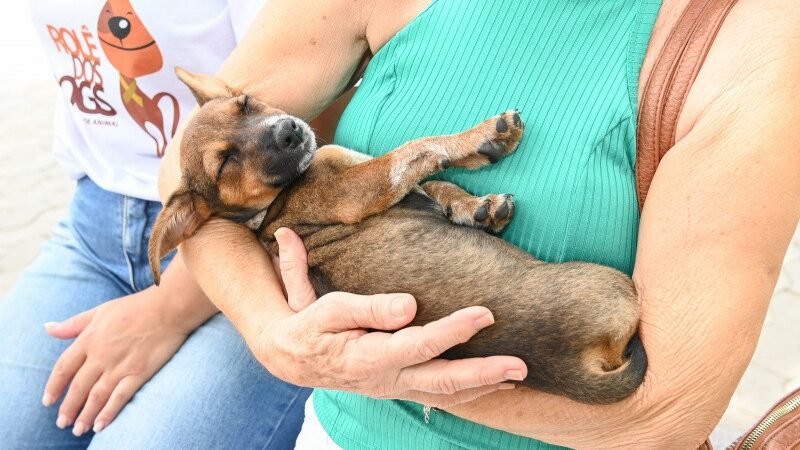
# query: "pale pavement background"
{"type": "Point", "coordinates": [34, 195]}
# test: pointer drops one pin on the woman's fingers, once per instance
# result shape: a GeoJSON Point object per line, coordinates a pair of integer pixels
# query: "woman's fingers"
{"type": "Point", "coordinates": [67, 365]}
{"type": "Point", "coordinates": [79, 388]}
{"type": "Point", "coordinates": [98, 397]}
{"type": "Point", "coordinates": [120, 397]}
{"type": "Point", "coordinates": [340, 311]}
{"type": "Point", "coordinates": [71, 327]}
{"type": "Point", "coordinates": [448, 401]}
{"type": "Point", "coordinates": [415, 345]}
{"type": "Point", "coordinates": [441, 376]}
{"type": "Point", "coordinates": [293, 262]}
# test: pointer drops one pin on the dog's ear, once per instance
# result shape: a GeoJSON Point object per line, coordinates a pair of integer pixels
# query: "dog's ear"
{"type": "Point", "coordinates": [205, 87]}
{"type": "Point", "coordinates": [178, 220]}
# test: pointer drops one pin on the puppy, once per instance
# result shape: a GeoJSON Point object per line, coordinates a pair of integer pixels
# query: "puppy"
{"type": "Point", "coordinates": [369, 228]}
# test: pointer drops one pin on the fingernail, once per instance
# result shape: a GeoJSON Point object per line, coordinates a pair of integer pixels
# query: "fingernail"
{"type": "Point", "coordinates": [47, 399]}
{"type": "Point", "coordinates": [62, 422]}
{"type": "Point", "coordinates": [79, 429]}
{"type": "Point", "coordinates": [399, 306]}
{"type": "Point", "coordinates": [484, 321]}
{"type": "Point", "coordinates": [506, 386]}
{"type": "Point", "coordinates": [513, 375]}
{"type": "Point", "coordinates": [98, 426]}
{"type": "Point", "coordinates": [279, 234]}
{"type": "Point", "coordinates": [50, 325]}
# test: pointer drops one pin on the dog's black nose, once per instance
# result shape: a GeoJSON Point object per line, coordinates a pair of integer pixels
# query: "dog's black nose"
{"type": "Point", "coordinates": [288, 134]}
{"type": "Point", "coordinates": [120, 27]}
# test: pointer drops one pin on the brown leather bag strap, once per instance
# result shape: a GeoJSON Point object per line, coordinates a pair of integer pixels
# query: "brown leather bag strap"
{"type": "Point", "coordinates": [668, 85]}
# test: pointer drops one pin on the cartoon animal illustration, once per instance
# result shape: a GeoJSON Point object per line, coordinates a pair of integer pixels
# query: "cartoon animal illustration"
{"type": "Point", "coordinates": [131, 49]}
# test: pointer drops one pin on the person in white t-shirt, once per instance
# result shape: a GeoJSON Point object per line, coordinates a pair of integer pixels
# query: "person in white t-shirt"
{"type": "Point", "coordinates": [196, 384]}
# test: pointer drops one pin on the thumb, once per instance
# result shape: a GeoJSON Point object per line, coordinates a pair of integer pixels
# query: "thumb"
{"type": "Point", "coordinates": [340, 311]}
{"type": "Point", "coordinates": [71, 327]}
{"type": "Point", "coordinates": [293, 263]}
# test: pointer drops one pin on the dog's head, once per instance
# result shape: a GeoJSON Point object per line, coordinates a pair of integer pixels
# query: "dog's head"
{"type": "Point", "coordinates": [236, 155]}
{"type": "Point", "coordinates": [125, 40]}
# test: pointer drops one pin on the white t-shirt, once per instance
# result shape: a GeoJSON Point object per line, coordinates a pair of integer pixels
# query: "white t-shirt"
{"type": "Point", "coordinates": [120, 100]}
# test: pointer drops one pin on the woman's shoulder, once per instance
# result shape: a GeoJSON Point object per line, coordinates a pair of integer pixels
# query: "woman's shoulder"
{"type": "Point", "coordinates": [757, 44]}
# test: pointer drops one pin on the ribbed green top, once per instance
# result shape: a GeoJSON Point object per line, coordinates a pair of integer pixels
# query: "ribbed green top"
{"type": "Point", "coordinates": [571, 67]}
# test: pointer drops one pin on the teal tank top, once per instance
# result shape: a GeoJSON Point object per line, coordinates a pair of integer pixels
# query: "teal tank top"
{"type": "Point", "coordinates": [571, 67]}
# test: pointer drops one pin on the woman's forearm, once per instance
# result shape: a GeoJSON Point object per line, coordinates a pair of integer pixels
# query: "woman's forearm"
{"type": "Point", "coordinates": [236, 273]}
{"type": "Point", "coordinates": [183, 301]}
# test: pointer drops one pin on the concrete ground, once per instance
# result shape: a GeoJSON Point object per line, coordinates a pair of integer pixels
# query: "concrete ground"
{"type": "Point", "coordinates": [34, 194]}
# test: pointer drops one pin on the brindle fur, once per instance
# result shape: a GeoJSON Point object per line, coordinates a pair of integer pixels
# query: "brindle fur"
{"type": "Point", "coordinates": [369, 228]}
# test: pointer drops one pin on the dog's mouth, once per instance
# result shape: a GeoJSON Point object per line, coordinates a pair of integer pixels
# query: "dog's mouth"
{"type": "Point", "coordinates": [294, 169]}
{"type": "Point", "coordinates": [306, 161]}
{"type": "Point", "coordinates": [309, 147]}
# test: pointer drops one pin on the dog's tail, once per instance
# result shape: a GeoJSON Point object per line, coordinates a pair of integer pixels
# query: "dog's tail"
{"type": "Point", "coordinates": [618, 384]}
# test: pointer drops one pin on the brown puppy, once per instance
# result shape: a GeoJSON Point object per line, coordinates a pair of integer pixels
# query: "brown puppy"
{"type": "Point", "coordinates": [369, 229]}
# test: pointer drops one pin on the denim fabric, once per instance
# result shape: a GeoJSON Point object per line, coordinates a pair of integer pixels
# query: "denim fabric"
{"type": "Point", "coordinates": [211, 394]}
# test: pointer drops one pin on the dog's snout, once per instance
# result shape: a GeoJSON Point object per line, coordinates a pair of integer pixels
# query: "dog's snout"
{"type": "Point", "coordinates": [120, 27]}
{"type": "Point", "coordinates": [288, 134]}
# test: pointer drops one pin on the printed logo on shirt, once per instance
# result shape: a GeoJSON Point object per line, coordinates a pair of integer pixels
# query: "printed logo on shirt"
{"type": "Point", "coordinates": [131, 49]}
{"type": "Point", "coordinates": [85, 84]}
{"type": "Point", "coordinates": [134, 53]}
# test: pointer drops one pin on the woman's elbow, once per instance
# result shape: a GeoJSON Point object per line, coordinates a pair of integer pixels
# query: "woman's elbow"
{"type": "Point", "coordinates": [671, 416]}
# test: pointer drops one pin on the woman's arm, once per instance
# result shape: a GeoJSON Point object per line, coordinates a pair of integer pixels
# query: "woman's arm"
{"type": "Point", "coordinates": [719, 216]}
{"type": "Point", "coordinates": [299, 56]}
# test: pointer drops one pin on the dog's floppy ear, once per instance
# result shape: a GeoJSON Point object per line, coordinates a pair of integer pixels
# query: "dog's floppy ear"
{"type": "Point", "coordinates": [205, 87]}
{"type": "Point", "coordinates": [177, 221]}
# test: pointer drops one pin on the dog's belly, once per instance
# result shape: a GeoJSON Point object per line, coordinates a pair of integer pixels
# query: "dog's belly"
{"type": "Point", "coordinates": [571, 323]}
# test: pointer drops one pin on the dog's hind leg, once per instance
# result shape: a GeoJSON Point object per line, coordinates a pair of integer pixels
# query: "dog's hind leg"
{"type": "Point", "coordinates": [490, 212]}
{"type": "Point", "coordinates": [375, 185]}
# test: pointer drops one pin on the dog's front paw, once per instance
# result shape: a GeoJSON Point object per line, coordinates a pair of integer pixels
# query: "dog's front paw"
{"type": "Point", "coordinates": [505, 136]}
{"type": "Point", "coordinates": [490, 212]}
{"type": "Point", "coordinates": [493, 139]}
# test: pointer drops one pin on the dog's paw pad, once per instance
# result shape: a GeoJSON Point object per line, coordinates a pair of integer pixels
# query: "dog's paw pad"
{"type": "Point", "coordinates": [517, 120]}
{"type": "Point", "coordinates": [504, 136]}
{"type": "Point", "coordinates": [493, 151]}
{"type": "Point", "coordinates": [490, 212]}
{"type": "Point", "coordinates": [504, 210]}
{"type": "Point", "coordinates": [501, 126]}
{"type": "Point", "coordinates": [501, 208]}
{"type": "Point", "coordinates": [509, 126]}
{"type": "Point", "coordinates": [482, 213]}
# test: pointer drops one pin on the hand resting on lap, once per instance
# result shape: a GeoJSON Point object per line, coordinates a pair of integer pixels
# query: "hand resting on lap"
{"type": "Point", "coordinates": [119, 345]}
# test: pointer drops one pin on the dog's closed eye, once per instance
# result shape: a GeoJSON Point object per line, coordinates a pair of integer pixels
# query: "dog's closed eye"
{"type": "Point", "coordinates": [226, 157]}
{"type": "Point", "coordinates": [244, 103]}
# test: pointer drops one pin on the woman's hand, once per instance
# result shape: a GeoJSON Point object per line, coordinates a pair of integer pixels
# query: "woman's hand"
{"type": "Point", "coordinates": [326, 343]}
{"type": "Point", "coordinates": [120, 345]}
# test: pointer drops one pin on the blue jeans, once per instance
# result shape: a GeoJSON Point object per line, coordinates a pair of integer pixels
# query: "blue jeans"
{"type": "Point", "coordinates": [211, 394]}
